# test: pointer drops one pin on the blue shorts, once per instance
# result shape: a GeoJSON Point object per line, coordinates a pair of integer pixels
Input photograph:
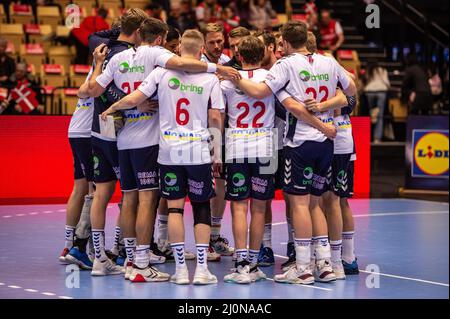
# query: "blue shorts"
{"type": "Point", "coordinates": [306, 167]}
{"type": "Point", "coordinates": [177, 181]}
{"type": "Point", "coordinates": [139, 169]}
{"type": "Point", "coordinates": [246, 179]}
{"type": "Point", "coordinates": [83, 164]}
{"type": "Point", "coordinates": [340, 176]}
{"type": "Point", "coordinates": [106, 160]}
{"type": "Point", "coordinates": [279, 175]}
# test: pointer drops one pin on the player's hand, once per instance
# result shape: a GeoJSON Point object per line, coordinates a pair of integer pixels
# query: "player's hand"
{"type": "Point", "coordinates": [109, 111]}
{"type": "Point", "coordinates": [329, 131]}
{"type": "Point", "coordinates": [312, 105]}
{"type": "Point", "coordinates": [100, 54]}
{"type": "Point", "coordinates": [228, 73]}
{"type": "Point", "coordinates": [148, 106]}
{"type": "Point", "coordinates": [217, 167]}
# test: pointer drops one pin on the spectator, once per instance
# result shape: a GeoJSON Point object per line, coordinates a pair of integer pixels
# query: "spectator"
{"type": "Point", "coordinates": [331, 33]}
{"type": "Point", "coordinates": [80, 35]}
{"type": "Point", "coordinates": [310, 7]}
{"type": "Point", "coordinates": [182, 17]}
{"type": "Point", "coordinates": [234, 39]}
{"type": "Point", "coordinates": [25, 96]}
{"type": "Point", "coordinates": [376, 90]}
{"type": "Point", "coordinates": [214, 44]}
{"type": "Point", "coordinates": [208, 12]}
{"type": "Point", "coordinates": [7, 64]}
{"type": "Point", "coordinates": [261, 14]}
{"type": "Point", "coordinates": [155, 10]}
{"type": "Point", "coordinates": [416, 90]}
{"type": "Point", "coordinates": [230, 19]}
{"type": "Point", "coordinates": [242, 9]}
{"type": "Point", "coordinates": [173, 40]}
{"type": "Point", "coordinates": [313, 25]}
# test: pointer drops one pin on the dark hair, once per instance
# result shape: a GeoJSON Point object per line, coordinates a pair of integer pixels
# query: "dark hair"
{"type": "Point", "coordinates": [173, 34]}
{"type": "Point", "coordinates": [295, 33]}
{"type": "Point", "coordinates": [411, 59]}
{"type": "Point", "coordinates": [102, 12]}
{"type": "Point", "coordinates": [132, 20]}
{"type": "Point", "coordinates": [372, 65]}
{"type": "Point", "coordinates": [268, 39]}
{"type": "Point", "coordinates": [153, 28]}
{"type": "Point", "coordinates": [251, 49]}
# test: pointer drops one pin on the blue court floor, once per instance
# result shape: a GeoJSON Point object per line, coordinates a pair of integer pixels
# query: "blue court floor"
{"type": "Point", "coordinates": [402, 247]}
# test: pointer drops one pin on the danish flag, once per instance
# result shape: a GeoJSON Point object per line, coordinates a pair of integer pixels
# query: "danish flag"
{"type": "Point", "coordinates": [24, 96]}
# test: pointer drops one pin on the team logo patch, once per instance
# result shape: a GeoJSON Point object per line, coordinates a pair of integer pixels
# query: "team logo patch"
{"type": "Point", "coordinates": [96, 162]}
{"type": "Point", "coordinates": [170, 179]}
{"type": "Point", "coordinates": [308, 172]}
{"type": "Point", "coordinates": [431, 153]}
{"type": "Point", "coordinates": [305, 76]}
{"type": "Point", "coordinates": [123, 67]}
{"type": "Point", "coordinates": [238, 179]}
{"type": "Point", "coordinates": [174, 83]}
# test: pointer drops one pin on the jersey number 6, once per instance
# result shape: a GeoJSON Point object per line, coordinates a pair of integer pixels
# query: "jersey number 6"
{"type": "Point", "coordinates": [182, 115]}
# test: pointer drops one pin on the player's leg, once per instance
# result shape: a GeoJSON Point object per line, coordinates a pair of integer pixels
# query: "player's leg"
{"type": "Point", "coordinates": [128, 222]}
{"type": "Point", "coordinates": [265, 256]}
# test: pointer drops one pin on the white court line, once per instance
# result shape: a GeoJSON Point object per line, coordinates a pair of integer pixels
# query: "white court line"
{"type": "Point", "coordinates": [15, 287]}
{"type": "Point", "coordinates": [31, 290]}
{"type": "Point", "coordinates": [308, 286]}
{"type": "Point", "coordinates": [33, 213]}
{"type": "Point", "coordinates": [387, 214]}
{"type": "Point", "coordinates": [6, 216]}
{"type": "Point", "coordinates": [20, 215]}
{"type": "Point", "coordinates": [46, 293]}
{"type": "Point", "coordinates": [61, 210]}
{"type": "Point", "coordinates": [405, 278]}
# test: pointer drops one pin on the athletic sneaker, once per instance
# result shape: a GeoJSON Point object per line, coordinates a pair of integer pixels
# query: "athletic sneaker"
{"type": "Point", "coordinates": [202, 276]}
{"type": "Point", "coordinates": [148, 274]}
{"type": "Point", "coordinates": [80, 258]}
{"type": "Point", "coordinates": [323, 272]}
{"type": "Point", "coordinates": [181, 276]}
{"type": "Point", "coordinates": [240, 274]}
{"type": "Point", "coordinates": [265, 257]}
{"type": "Point", "coordinates": [294, 275]}
{"type": "Point", "coordinates": [212, 255]}
{"type": "Point", "coordinates": [288, 264]}
{"type": "Point", "coordinates": [62, 257]}
{"type": "Point", "coordinates": [121, 258]}
{"type": "Point", "coordinates": [128, 269]}
{"type": "Point", "coordinates": [155, 259]}
{"type": "Point", "coordinates": [338, 270]}
{"type": "Point", "coordinates": [164, 249]}
{"type": "Point", "coordinates": [222, 247]}
{"type": "Point", "coordinates": [290, 250]}
{"type": "Point", "coordinates": [105, 268]}
{"type": "Point", "coordinates": [351, 269]}
{"type": "Point", "coordinates": [256, 274]}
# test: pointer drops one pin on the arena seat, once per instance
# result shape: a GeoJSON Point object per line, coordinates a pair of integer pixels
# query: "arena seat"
{"type": "Point", "coordinates": [60, 55]}
{"type": "Point", "coordinates": [349, 60]}
{"type": "Point", "coordinates": [39, 34]}
{"type": "Point", "coordinates": [78, 74]}
{"type": "Point", "coordinates": [2, 15]}
{"type": "Point", "coordinates": [31, 70]}
{"type": "Point", "coordinates": [69, 100]}
{"type": "Point", "coordinates": [113, 5]}
{"type": "Point", "coordinates": [136, 3]}
{"type": "Point", "coordinates": [13, 33]}
{"type": "Point", "coordinates": [53, 75]}
{"type": "Point", "coordinates": [21, 13]}
{"type": "Point", "coordinates": [49, 15]}
{"type": "Point", "coordinates": [11, 50]}
{"type": "Point", "coordinates": [88, 4]}
{"type": "Point", "coordinates": [33, 54]}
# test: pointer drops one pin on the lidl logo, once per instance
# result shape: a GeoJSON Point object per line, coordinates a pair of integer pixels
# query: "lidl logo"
{"type": "Point", "coordinates": [305, 76]}
{"type": "Point", "coordinates": [431, 153]}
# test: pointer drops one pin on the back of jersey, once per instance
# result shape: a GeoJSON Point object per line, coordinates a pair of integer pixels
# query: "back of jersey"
{"type": "Point", "coordinates": [184, 100]}
{"type": "Point", "coordinates": [250, 121]}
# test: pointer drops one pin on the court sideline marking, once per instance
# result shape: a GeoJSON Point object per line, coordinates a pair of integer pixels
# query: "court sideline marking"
{"type": "Point", "coordinates": [45, 293]}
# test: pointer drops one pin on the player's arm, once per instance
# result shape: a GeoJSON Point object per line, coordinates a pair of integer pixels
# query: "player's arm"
{"type": "Point", "coordinates": [335, 102]}
{"type": "Point", "coordinates": [255, 90]}
{"type": "Point", "coordinates": [91, 88]}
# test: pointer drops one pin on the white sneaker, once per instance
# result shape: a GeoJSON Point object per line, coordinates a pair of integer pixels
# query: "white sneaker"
{"type": "Point", "coordinates": [256, 274]}
{"type": "Point", "coordinates": [148, 274]}
{"type": "Point", "coordinates": [338, 269]}
{"type": "Point", "coordinates": [105, 268]}
{"type": "Point", "coordinates": [181, 276]}
{"type": "Point", "coordinates": [234, 257]}
{"type": "Point", "coordinates": [294, 275]}
{"type": "Point", "coordinates": [212, 255]}
{"type": "Point", "coordinates": [202, 276]}
{"type": "Point", "coordinates": [128, 269]}
{"type": "Point", "coordinates": [323, 272]}
{"type": "Point", "coordinates": [240, 275]}
{"type": "Point", "coordinates": [155, 259]}
{"type": "Point", "coordinates": [221, 246]}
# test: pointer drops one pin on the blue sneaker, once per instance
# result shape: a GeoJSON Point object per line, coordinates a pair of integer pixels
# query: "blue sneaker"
{"type": "Point", "coordinates": [290, 250]}
{"type": "Point", "coordinates": [77, 257]}
{"type": "Point", "coordinates": [351, 269]}
{"type": "Point", "coordinates": [265, 257]}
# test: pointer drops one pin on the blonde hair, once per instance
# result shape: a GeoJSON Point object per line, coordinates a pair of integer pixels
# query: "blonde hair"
{"type": "Point", "coordinates": [212, 28]}
{"type": "Point", "coordinates": [311, 43]}
{"type": "Point", "coordinates": [132, 20]}
{"type": "Point", "coordinates": [239, 32]}
{"type": "Point", "coordinates": [192, 41]}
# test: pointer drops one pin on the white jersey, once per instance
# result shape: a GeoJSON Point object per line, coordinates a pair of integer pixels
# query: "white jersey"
{"type": "Point", "coordinates": [184, 100]}
{"type": "Point", "coordinates": [343, 143]}
{"type": "Point", "coordinates": [222, 59]}
{"type": "Point", "coordinates": [313, 76]}
{"type": "Point", "coordinates": [250, 121]}
{"type": "Point", "coordinates": [128, 69]}
{"type": "Point", "coordinates": [81, 122]}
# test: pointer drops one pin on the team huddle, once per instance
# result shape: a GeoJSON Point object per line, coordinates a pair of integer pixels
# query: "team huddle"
{"type": "Point", "coordinates": [191, 122]}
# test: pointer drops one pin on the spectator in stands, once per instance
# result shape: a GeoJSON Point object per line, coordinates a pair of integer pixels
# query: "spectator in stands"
{"type": "Point", "coordinates": [7, 64]}
{"type": "Point", "coordinates": [376, 89]}
{"type": "Point", "coordinates": [80, 35]}
{"type": "Point", "coordinates": [435, 82]}
{"type": "Point", "coordinates": [261, 14]}
{"type": "Point", "coordinates": [416, 90]}
{"type": "Point", "coordinates": [181, 16]}
{"type": "Point", "coordinates": [24, 95]}
{"type": "Point", "coordinates": [155, 10]}
{"type": "Point", "coordinates": [173, 40]}
{"type": "Point", "coordinates": [332, 35]}
{"type": "Point", "coordinates": [208, 12]}
{"type": "Point", "coordinates": [242, 9]}
{"type": "Point", "coordinates": [314, 26]}
{"type": "Point", "coordinates": [230, 19]}
{"type": "Point", "coordinates": [310, 7]}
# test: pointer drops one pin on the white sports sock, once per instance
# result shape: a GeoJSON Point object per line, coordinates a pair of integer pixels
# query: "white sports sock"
{"type": "Point", "coordinates": [116, 237]}
{"type": "Point", "coordinates": [241, 254]}
{"type": "Point", "coordinates": [336, 246]}
{"type": "Point", "coordinates": [302, 251]}
{"type": "Point", "coordinates": [216, 223]}
{"type": "Point", "coordinates": [98, 237]}
{"type": "Point", "coordinates": [253, 256]}
{"type": "Point", "coordinates": [290, 230]}
{"type": "Point", "coordinates": [323, 249]}
{"type": "Point", "coordinates": [162, 227]}
{"type": "Point", "coordinates": [313, 248]}
{"type": "Point", "coordinates": [267, 239]}
{"type": "Point", "coordinates": [202, 255]}
{"type": "Point", "coordinates": [348, 246]}
{"type": "Point", "coordinates": [142, 256]}
{"type": "Point", "coordinates": [178, 254]}
{"type": "Point", "coordinates": [69, 234]}
{"type": "Point", "coordinates": [130, 247]}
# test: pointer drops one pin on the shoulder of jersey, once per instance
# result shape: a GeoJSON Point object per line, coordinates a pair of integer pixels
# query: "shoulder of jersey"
{"type": "Point", "coordinates": [285, 58]}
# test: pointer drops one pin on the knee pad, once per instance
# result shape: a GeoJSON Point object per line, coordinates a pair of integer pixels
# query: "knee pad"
{"type": "Point", "coordinates": [202, 213]}
{"type": "Point", "coordinates": [175, 211]}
